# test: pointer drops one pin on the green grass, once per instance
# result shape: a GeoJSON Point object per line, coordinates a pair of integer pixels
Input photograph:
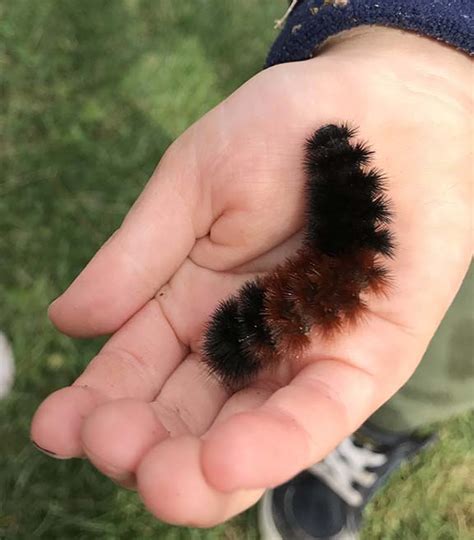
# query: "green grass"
{"type": "Point", "coordinates": [92, 92]}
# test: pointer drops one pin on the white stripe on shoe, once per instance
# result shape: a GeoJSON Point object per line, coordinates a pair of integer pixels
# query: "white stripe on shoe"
{"type": "Point", "coordinates": [347, 466]}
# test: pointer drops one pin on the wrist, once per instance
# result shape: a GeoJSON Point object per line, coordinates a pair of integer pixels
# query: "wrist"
{"type": "Point", "coordinates": [439, 68]}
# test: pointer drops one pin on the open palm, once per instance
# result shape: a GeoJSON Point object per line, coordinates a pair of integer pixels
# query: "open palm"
{"type": "Point", "coordinates": [224, 204]}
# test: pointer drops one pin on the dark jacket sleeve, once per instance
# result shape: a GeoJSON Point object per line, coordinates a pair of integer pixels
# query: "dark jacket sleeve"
{"type": "Point", "coordinates": [313, 21]}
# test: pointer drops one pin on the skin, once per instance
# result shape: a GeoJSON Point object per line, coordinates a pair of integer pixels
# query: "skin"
{"type": "Point", "coordinates": [225, 203]}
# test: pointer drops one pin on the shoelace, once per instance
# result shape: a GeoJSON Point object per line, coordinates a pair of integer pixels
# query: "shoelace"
{"type": "Point", "coordinates": [346, 466]}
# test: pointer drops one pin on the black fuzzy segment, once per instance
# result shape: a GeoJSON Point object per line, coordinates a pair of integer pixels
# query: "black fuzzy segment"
{"type": "Point", "coordinates": [251, 299]}
{"type": "Point", "coordinates": [320, 287]}
{"type": "Point", "coordinates": [347, 208]}
{"type": "Point", "coordinates": [237, 337]}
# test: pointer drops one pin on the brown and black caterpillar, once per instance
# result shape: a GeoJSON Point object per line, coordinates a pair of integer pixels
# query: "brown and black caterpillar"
{"type": "Point", "coordinates": [319, 288]}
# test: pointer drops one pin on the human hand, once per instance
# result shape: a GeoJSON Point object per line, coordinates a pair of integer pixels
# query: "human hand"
{"type": "Point", "coordinates": [226, 203]}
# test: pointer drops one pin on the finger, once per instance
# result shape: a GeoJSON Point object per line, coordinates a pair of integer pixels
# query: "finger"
{"type": "Point", "coordinates": [172, 486]}
{"type": "Point", "coordinates": [116, 435]}
{"type": "Point", "coordinates": [138, 359]}
{"type": "Point", "coordinates": [57, 422]}
{"type": "Point", "coordinates": [190, 399]}
{"type": "Point", "coordinates": [147, 249]}
{"type": "Point", "coordinates": [302, 422]}
{"type": "Point", "coordinates": [134, 363]}
{"type": "Point", "coordinates": [119, 435]}
{"type": "Point", "coordinates": [244, 400]}
{"type": "Point", "coordinates": [171, 480]}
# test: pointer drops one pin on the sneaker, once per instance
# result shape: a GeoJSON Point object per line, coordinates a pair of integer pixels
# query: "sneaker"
{"type": "Point", "coordinates": [326, 501]}
{"type": "Point", "coordinates": [7, 366]}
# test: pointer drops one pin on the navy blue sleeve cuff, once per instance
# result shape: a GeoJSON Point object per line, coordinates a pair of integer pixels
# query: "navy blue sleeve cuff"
{"type": "Point", "coordinates": [313, 21]}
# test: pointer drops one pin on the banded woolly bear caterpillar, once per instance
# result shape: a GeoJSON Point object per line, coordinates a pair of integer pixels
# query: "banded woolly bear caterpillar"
{"type": "Point", "coordinates": [319, 288]}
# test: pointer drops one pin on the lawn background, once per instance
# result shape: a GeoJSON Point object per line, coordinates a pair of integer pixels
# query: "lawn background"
{"type": "Point", "coordinates": [91, 94]}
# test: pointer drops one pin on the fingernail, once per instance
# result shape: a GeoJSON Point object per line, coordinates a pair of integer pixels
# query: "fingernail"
{"type": "Point", "coordinates": [126, 480]}
{"type": "Point", "coordinates": [47, 452]}
{"type": "Point", "coordinates": [51, 305]}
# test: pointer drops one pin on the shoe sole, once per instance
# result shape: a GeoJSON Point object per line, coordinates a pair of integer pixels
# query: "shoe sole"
{"type": "Point", "coordinates": [266, 525]}
{"type": "Point", "coordinates": [268, 530]}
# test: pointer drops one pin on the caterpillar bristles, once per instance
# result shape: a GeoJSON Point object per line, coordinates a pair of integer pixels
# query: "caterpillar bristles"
{"type": "Point", "coordinates": [319, 288]}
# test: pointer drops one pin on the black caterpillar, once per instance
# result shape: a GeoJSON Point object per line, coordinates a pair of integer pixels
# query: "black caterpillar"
{"type": "Point", "coordinates": [319, 288]}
